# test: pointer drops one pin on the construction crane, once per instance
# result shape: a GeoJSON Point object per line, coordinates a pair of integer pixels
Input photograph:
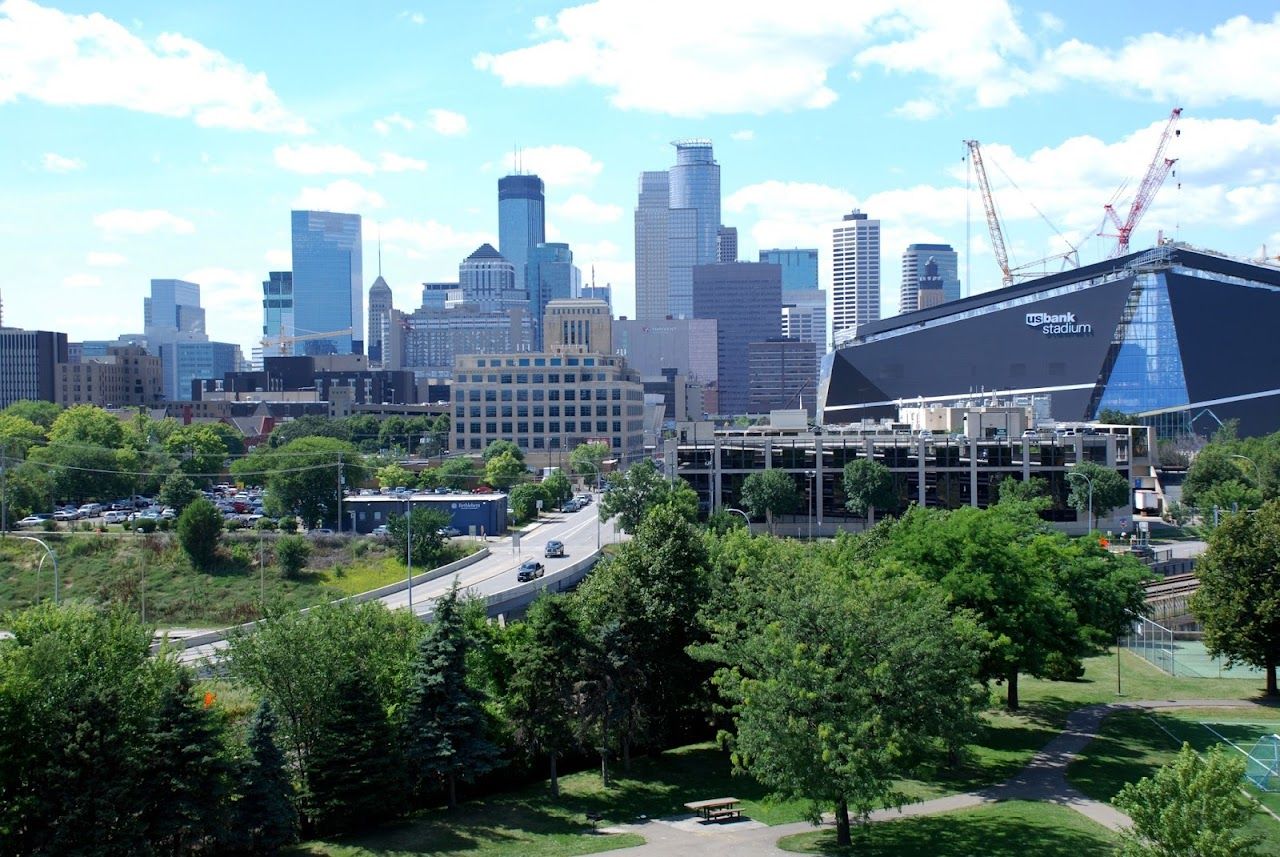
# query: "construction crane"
{"type": "Point", "coordinates": [285, 342]}
{"type": "Point", "coordinates": [1007, 273]}
{"type": "Point", "coordinates": [1157, 172]}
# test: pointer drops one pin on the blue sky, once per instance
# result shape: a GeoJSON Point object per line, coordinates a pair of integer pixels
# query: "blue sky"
{"type": "Point", "coordinates": [171, 140]}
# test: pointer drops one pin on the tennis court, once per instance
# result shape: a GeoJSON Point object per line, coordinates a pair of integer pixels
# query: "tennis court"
{"type": "Point", "coordinates": [1238, 736]}
{"type": "Point", "coordinates": [1160, 646]}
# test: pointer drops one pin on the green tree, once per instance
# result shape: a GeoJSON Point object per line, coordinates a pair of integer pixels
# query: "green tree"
{"type": "Point", "coordinates": [308, 426]}
{"type": "Point", "coordinates": [27, 490]}
{"type": "Point", "coordinates": [768, 493]}
{"type": "Point", "coordinates": [1111, 416]}
{"type": "Point", "coordinates": [1191, 806]}
{"type": "Point", "coordinates": [89, 425]}
{"type": "Point", "coordinates": [265, 819]}
{"type": "Point", "coordinates": [458, 472]}
{"type": "Point", "coordinates": [302, 477]}
{"type": "Point", "coordinates": [178, 492]}
{"type": "Point", "coordinates": [499, 447]}
{"type": "Point", "coordinates": [362, 430]}
{"type": "Point", "coordinates": [504, 470]}
{"type": "Point", "coordinates": [524, 500]}
{"type": "Point", "coordinates": [558, 488]}
{"type": "Point", "coordinates": [394, 433]}
{"type": "Point", "coordinates": [632, 493]}
{"type": "Point", "coordinates": [1109, 491]}
{"type": "Point", "coordinates": [1238, 601]}
{"type": "Point", "coordinates": [17, 435]}
{"type": "Point", "coordinates": [190, 777]}
{"type": "Point", "coordinates": [587, 459]}
{"type": "Point", "coordinates": [876, 668]}
{"type": "Point", "coordinates": [393, 475]}
{"type": "Point", "coordinates": [445, 723]}
{"type": "Point", "coordinates": [424, 526]}
{"type": "Point", "coordinates": [868, 484]}
{"type": "Point", "coordinates": [540, 699]}
{"type": "Point", "coordinates": [199, 527]}
{"type": "Point", "coordinates": [1034, 491]}
{"type": "Point", "coordinates": [37, 411]}
{"type": "Point", "coordinates": [292, 554]}
{"type": "Point", "coordinates": [429, 478]}
{"type": "Point", "coordinates": [199, 449]}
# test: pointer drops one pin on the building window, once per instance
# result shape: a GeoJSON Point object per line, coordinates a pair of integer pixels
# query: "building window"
{"type": "Point", "coordinates": [538, 427]}
{"type": "Point", "coordinates": [522, 428]}
{"type": "Point", "coordinates": [554, 428]}
{"type": "Point", "coordinates": [506, 429]}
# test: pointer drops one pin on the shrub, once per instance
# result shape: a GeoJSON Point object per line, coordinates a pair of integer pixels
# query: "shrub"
{"type": "Point", "coordinates": [164, 525]}
{"type": "Point", "coordinates": [198, 529]}
{"type": "Point", "coordinates": [49, 525]}
{"type": "Point", "coordinates": [288, 524]}
{"type": "Point", "coordinates": [267, 524]}
{"type": "Point", "coordinates": [145, 525]}
{"type": "Point", "coordinates": [292, 553]}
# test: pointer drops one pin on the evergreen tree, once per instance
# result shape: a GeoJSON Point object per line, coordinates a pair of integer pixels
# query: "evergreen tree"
{"type": "Point", "coordinates": [540, 693]}
{"type": "Point", "coordinates": [446, 722]}
{"type": "Point", "coordinates": [189, 772]}
{"type": "Point", "coordinates": [354, 772]}
{"type": "Point", "coordinates": [265, 817]}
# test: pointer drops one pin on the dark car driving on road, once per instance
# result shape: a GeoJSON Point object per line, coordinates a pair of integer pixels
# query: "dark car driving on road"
{"type": "Point", "coordinates": [530, 570]}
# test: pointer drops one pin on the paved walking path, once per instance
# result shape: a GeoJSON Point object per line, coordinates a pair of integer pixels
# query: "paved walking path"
{"type": "Point", "coordinates": [1043, 778]}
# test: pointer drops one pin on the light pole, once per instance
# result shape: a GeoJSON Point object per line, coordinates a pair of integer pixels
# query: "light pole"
{"type": "Point", "coordinates": [52, 555]}
{"type": "Point", "coordinates": [810, 474]}
{"type": "Point", "coordinates": [742, 513]}
{"type": "Point", "coordinates": [1257, 473]}
{"type": "Point", "coordinates": [1090, 483]}
{"type": "Point", "coordinates": [596, 468]}
{"type": "Point", "coordinates": [408, 548]}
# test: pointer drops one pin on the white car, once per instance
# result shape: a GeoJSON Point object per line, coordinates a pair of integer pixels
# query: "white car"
{"type": "Point", "coordinates": [116, 517]}
{"type": "Point", "coordinates": [31, 521]}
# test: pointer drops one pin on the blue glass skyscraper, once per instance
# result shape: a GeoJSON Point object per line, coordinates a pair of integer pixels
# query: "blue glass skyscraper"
{"type": "Point", "coordinates": [693, 220]}
{"type": "Point", "coordinates": [550, 277]}
{"type": "Point", "coordinates": [799, 267]}
{"type": "Point", "coordinates": [522, 222]}
{"type": "Point", "coordinates": [328, 291]}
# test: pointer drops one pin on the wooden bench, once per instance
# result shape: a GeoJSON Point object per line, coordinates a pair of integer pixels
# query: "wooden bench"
{"type": "Point", "coordinates": [716, 809]}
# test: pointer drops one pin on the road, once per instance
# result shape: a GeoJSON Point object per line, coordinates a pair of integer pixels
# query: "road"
{"type": "Point", "coordinates": [494, 573]}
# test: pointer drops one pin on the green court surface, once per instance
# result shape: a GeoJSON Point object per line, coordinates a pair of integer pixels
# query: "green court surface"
{"type": "Point", "coordinates": [1240, 736]}
{"type": "Point", "coordinates": [1187, 658]}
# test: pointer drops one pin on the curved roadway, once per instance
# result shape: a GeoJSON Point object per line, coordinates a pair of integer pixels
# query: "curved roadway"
{"type": "Point", "coordinates": [496, 572]}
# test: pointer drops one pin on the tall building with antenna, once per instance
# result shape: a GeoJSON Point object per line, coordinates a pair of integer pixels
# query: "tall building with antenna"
{"type": "Point", "coordinates": [380, 306]}
{"type": "Point", "coordinates": [522, 222]}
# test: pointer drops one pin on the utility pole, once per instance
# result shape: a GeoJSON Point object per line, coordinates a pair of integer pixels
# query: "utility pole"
{"type": "Point", "coordinates": [4, 489]}
{"type": "Point", "coordinates": [339, 493]}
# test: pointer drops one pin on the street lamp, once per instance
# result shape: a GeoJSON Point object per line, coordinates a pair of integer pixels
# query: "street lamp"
{"type": "Point", "coordinates": [52, 555]}
{"type": "Point", "coordinates": [408, 548]}
{"type": "Point", "coordinates": [742, 513]}
{"type": "Point", "coordinates": [1074, 473]}
{"type": "Point", "coordinates": [810, 474]}
{"type": "Point", "coordinates": [596, 468]}
{"type": "Point", "coordinates": [1257, 473]}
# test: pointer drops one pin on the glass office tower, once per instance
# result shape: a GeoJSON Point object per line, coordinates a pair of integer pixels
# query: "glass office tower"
{"type": "Point", "coordinates": [522, 222]}
{"type": "Point", "coordinates": [551, 276]}
{"type": "Point", "coordinates": [328, 294]}
{"type": "Point", "coordinates": [693, 220]}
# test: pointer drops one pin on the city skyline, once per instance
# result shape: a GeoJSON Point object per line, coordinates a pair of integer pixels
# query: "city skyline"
{"type": "Point", "coordinates": [124, 180]}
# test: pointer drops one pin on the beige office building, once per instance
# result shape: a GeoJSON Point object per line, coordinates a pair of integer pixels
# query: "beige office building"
{"type": "Point", "coordinates": [127, 376]}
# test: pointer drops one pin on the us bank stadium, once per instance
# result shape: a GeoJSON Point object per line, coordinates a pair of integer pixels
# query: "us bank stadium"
{"type": "Point", "coordinates": [1185, 339]}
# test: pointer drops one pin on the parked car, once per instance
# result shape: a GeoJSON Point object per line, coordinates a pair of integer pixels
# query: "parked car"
{"type": "Point", "coordinates": [91, 510]}
{"type": "Point", "coordinates": [321, 531]}
{"type": "Point", "coordinates": [380, 531]}
{"type": "Point", "coordinates": [571, 506]}
{"type": "Point", "coordinates": [168, 513]}
{"type": "Point", "coordinates": [584, 499]}
{"type": "Point", "coordinates": [554, 548]}
{"type": "Point", "coordinates": [449, 532]}
{"type": "Point", "coordinates": [31, 521]}
{"type": "Point", "coordinates": [115, 517]}
{"type": "Point", "coordinates": [64, 515]}
{"type": "Point", "coordinates": [530, 570]}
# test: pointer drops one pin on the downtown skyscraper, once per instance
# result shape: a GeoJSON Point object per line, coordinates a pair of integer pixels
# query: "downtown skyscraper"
{"type": "Point", "coordinates": [522, 221]}
{"type": "Point", "coordinates": [677, 225]}
{"type": "Point", "coordinates": [855, 272]}
{"type": "Point", "coordinates": [328, 287]}
{"type": "Point", "coordinates": [914, 259]}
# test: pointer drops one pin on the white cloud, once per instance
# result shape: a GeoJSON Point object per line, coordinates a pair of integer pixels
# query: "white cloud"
{"type": "Point", "coordinates": [79, 281]}
{"type": "Point", "coordinates": [416, 18]}
{"type": "Point", "coordinates": [128, 221]}
{"type": "Point", "coordinates": [233, 299]}
{"type": "Point", "coordinates": [315, 159]}
{"type": "Point", "coordinates": [279, 260]}
{"type": "Point", "coordinates": [918, 109]}
{"type": "Point", "coordinates": [105, 260]}
{"type": "Point", "coordinates": [743, 135]}
{"type": "Point", "coordinates": [587, 251]}
{"type": "Point", "coordinates": [390, 162]}
{"type": "Point", "coordinates": [91, 60]}
{"type": "Point", "coordinates": [341, 195]}
{"type": "Point", "coordinates": [556, 165]}
{"type": "Point", "coordinates": [581, 208]}
{"type": "Point", "coordinates": [427, 236]}
{"type": "Point", "coordinates": [447, 122]}
{"type": "Point", "coordinates": [56, 163]}
{"type": "Point", "coordinates": [384, 125]}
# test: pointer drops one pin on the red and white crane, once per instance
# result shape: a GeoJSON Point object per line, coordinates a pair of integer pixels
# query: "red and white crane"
{"type": "Point", "coordinates": [1157, 172]}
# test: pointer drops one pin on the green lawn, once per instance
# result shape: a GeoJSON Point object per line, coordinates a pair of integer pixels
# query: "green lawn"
{"type": "Point", "coordinates": [1012, 829]}
{"type": "Point", "coordinates": [114, 568]}
{"type": "Point", "coordinates": [529, 822]}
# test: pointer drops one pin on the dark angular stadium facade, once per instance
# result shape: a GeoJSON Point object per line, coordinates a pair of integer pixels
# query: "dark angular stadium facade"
{"type": "Point", "coordinates": [1184, 338]}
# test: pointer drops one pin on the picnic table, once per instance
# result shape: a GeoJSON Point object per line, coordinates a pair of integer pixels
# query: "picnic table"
{"type": "Point", "coordinates": [716, 809]}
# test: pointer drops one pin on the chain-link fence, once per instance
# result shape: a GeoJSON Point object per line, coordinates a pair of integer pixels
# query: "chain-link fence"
{"type": "Point", "coordinates": [1179, 653]}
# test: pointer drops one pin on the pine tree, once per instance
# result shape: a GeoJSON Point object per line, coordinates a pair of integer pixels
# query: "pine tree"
{"type": "Point", "coordinates": [189, 774]}
{"type": "Point", "coordinates": [265, 816]}
{"type": "Point", "coordinates": [354, 772]}
{"type": "Point", "coordinates": [446, 721]}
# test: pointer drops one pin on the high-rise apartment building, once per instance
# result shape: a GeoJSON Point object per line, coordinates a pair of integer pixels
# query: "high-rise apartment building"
{"type": "Point", "coordinates": [28, 364]}
{"type": "Point", "coordinates": [913, 262]}
{"type": "Point", "coordinates": [745, 299]}
{"type": "Point", "coordinates": [380, 303]}
{"type": "Point", "coordinates": [855, 272]}
{"type": "Point", "coordinates": [727, 244]}
{"type": "Point", "coordinates": [522, 222]}
{"type": "Point", "coordinates": [551, 276]}
{"type": "Point", "coordinates": [652, 273]}
{"type": "Point", "coordinates": [127, 376]}
{"type": "Point", "coordinates": [677, 222]}
{"type": "Point", "coordinates": [328, 282]}
{"type": "Point", "coordinates": [277, 311]}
